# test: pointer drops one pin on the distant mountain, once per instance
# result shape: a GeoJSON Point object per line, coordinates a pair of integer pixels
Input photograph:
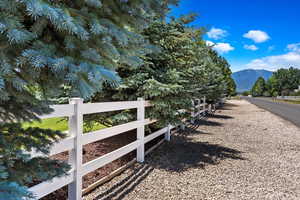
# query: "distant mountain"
{"type": "Point", "coordinates": [245, 79]}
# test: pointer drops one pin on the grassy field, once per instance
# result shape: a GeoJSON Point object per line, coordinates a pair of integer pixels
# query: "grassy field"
{"type": "Point", "coordinates": [60, 124]}
{"type": "Point", "coordinates": [288, 101]}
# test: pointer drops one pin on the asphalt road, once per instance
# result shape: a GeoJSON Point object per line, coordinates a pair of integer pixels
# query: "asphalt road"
{"type": "Point", "coordinates": [290, 112]}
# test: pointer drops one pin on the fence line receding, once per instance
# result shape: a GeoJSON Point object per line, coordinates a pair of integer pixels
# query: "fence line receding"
{"type": "Point", "coordinates": [76, 139]}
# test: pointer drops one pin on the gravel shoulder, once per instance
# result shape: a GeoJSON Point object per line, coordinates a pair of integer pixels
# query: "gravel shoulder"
{"type": "Point", "coordinates": [240, 152]}
{"type": "Point", "coordinates": [290, 112]}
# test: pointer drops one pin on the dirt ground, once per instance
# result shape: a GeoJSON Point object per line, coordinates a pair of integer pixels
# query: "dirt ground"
{"type": "Point", "coordinates": [240, 152]}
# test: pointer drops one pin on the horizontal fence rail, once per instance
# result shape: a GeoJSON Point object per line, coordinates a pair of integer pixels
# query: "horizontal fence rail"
{"type": "Point", "coordinates": [60, 111]}
{"type": "Point", "coordinates": [74, 143]}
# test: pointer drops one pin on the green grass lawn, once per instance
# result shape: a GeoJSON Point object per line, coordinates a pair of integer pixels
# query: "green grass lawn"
{"type": "Point", "coordinates": [288, 101]}
{"type": "Point", "coordinates": [60, 124]}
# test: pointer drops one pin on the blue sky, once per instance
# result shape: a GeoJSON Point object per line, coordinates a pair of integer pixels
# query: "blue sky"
{"type": "Point", "coordinates": [259, 34]}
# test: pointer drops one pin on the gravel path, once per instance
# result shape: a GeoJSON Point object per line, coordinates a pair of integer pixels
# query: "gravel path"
{"type": "Point", "coordinates": [242, 152]}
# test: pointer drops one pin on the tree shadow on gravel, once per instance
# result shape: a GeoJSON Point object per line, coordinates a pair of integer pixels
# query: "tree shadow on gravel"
{"type": "Point", "coordinates": [230, 105]}
{"type": "Point", "coordinates": [206, 122]}
{"type": "Point", "coordinates": [178, 155]}
{"type": "Point", "coordinates": [127, 184]}
{"type": "Point", "coordinates": [181, 154]}
{"type": "Point", "coordinates": [219, 116]}
{"type": "Point", "coordinates": [190, 130]}
{"type": "Point", "coordinates": [193, 128]}
{"type": "Point", "coordinates": [227, 106]}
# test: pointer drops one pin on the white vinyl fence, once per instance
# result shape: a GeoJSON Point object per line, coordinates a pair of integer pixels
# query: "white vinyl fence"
{"type": "Point", "coordinates": [292, 98]}
{"type": "Point", "coordinates": [74, 143]}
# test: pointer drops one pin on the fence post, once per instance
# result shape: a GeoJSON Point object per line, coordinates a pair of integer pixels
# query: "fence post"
{"type": "Point", "coordinates": [193, 112]}
{"type": "Point", "coordinates": [198, 108]}
{"type": "Point", "coordinates": [75, 155]}
{"type": "Point", "coordinates": [140, 154]}
{"type": "Point", "coordinates": [182, 126]}
{"type": "Point", "coordinates": [168, 133]}
{"type": "Point", "coordinates": [204, 102]}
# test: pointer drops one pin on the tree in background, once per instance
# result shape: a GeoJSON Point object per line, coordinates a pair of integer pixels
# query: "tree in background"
{"type": "Point", "coordinates": [259, 88]}
{"type": "Point", "coordinates": [271, 87]}
{"type": "Point", "coordinates": [285, 81]}
{"type": "Point", "coordinates": [282, 82]}
{"type": "Point", "coordinates": [50, 49]}
{"type": "Point", "coordinates": [246, 93]}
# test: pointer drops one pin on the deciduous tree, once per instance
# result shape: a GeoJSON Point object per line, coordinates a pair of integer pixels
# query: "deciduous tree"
{"type": "Point", "coordinates": [259, 87]}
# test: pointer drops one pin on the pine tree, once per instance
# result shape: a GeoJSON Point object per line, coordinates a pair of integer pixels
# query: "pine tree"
{"type": "Point", "coordinates": [161, 78]}
{"type": "Point", "coordinates": [222, 83]}
{"type": "Point", "coordinates": [51, 49]}
{"type": "Point", "coordinates": [184, 69]}
{"type": "Point", "coordinates": [18, 168]}
{"type": "Point", "coordinates": [70, 43]}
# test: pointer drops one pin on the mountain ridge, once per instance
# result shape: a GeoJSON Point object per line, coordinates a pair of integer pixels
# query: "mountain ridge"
{"type": "Point", "coordinates": [246, 78]}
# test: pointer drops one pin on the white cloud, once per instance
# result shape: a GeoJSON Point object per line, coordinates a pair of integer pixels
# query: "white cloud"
{"type": "Point", "coordinates": [209, 43]}
{"type": "Point", "coordinates": [220, 47]}
{"type": "Point", "coordinates": [223, 47]}
{"type": "Point", "coordinates": [257, 36]}
{"type": "Point", "coordinates": [275, 62]}
{"type": "Point", "coordinates": [294, 47]}
{"type": "Point", "coordinates": [251, 47]}
{"type": "Point", "coordinates": [216, 33]}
